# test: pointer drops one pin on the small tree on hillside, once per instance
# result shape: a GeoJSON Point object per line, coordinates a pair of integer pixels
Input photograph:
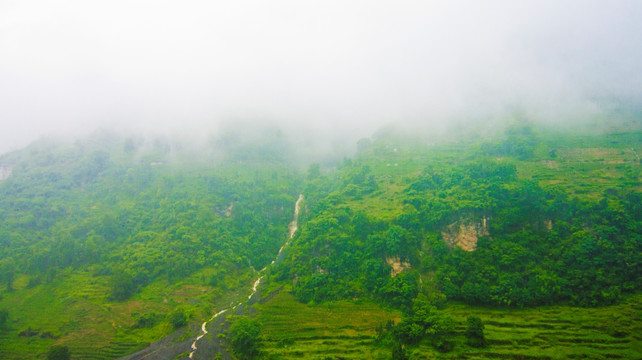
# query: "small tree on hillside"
{"type": "Point", "coordinates": [122, 286]}
{"type": "Point", "coordinates": [475, 332]}
{"type": "Point", "coordinates": [178, 319]}
{"type": "Point", "coordinates": [399, 352]}
{"type": "Point", "coordinates": [58, 352]}
{"type": "Point", "coordinates": [245, 337]}
{"type": "Point", "coordinates": [4, 318]}
{"type": "Point", "coordinates": [441, 333]}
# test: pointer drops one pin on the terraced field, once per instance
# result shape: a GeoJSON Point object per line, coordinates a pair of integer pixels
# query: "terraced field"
{"type": "Point", "coordinates": [587, 166]}
{"type": "Point", "coordinates": [117, 348]}
{"type": "Point", "coordinates": [76, 317]}
{"type": "Point", "coordinates": [341, 330]}
{"type": "Point", "coordinates": [556, 332]}
{"type": "Point", "coordinates": [346, 330]}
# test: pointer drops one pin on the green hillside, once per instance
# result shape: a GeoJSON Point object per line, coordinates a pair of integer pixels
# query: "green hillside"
{"type": "Point", "coordinates": [529, 219]}
{"type": "Point", "coordinates": [348, 330]}
{"type": "Point", "coordinates": [109, 244]}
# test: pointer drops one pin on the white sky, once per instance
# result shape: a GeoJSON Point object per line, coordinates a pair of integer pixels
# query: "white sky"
{"type": "Point", "coordinates": [71, 66]}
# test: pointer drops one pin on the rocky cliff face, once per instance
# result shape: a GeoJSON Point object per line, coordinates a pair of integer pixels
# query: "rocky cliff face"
{"type": "Point", "coordinates": [5, 172]}
{"type": "Point", "coordinates": [397, 265]}
{"type": "Point", "coordinates": [465, 232]}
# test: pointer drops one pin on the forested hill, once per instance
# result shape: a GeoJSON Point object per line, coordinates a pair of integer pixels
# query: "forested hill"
{"type": "Point", "coordinates": [449, 236]}
{"type": "Point", "coordinates": [110, 243]}
{"type": "Point", "coordinates": [532, 217]}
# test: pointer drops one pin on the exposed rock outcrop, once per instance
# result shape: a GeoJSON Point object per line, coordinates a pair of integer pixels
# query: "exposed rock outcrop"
{"type": "Point", "coordinates": [397, 265]}
{"type": "Point", "coordinates": [465, 233]}
{"type": "Point", "coordinates": [5, 172]}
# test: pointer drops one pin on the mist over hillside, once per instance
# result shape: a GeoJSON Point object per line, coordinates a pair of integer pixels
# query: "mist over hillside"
{"type": "Point", "coordinates": [299, 179]}
{"type": "Point", "coordinates": [323, 73]}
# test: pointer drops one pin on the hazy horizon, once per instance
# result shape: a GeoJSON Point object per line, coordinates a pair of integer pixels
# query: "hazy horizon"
{"type": "Point", "coordinates": [334, 70]}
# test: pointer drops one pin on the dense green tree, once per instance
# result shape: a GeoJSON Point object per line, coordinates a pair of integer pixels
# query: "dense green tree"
{"type": "Point", "coordinates": [122, 286]}
{"type": "Point", "coordinates": [399, 352]}
{"type": "Point", "coordinates": [409, 332]}
{"type": "Point", "coordinates": [475, 331]}
{"type": "Point", "coordinates": [58, 352]}
{"type": "Point", "coordinates": [8, 278]}
{"type": "Point", "coordinates": [245, 338]}
{"type": "Point", "coordinates": [178, 319]}
{"type": "Point", "coordinates": [146, 320]}
{"type": "Point", "coordinates": [441, 332]}
{"type": "Point", "coordinates": [4, 318]}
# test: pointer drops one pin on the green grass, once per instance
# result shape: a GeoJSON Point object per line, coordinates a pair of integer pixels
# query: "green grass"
{"type": "Point", "coordinates": [555, 332]}
{"type": "Point", "coordinates": [586, 166]}
{"type": "Point", "coordinates": [583, 165]}
{"type": "Point", "coordinates": [346, 330]}
{"type": "Point", "coordinates": [585, 172]}
{"type": "Point", "coordinates": [75, 310]}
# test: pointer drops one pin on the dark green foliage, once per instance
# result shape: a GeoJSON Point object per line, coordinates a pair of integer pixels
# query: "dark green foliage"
{"type": "Point", "coordinates": [399, 352]}
{"type": "Point", "coordinates": [423, 322]}
{"type": "Point", "coordinates": [127, 214]}
{"type": "Point", "coordinates": [527, 264]}
{"type": "Point", "coordinates": [245, 338]}
{"type": "Point", "coordinates": [178, 319]}
{"type": "Point", "coordinates": [441, 333]}
{"type": "Point", "coordinates": [475, 332]}
{"type": "Point", "coordinates": [543, 245]}
{"type": "Point", "coordinates": [58, 352]}
{"type": "Point", "coordinates": [34, 281]}
{"type": "Point", "coordinates": [8, 278]}
{"type": "Point", "coordinates": [122, 286]}
{"type": "Point", "coordinates": [4, 317]}
{"type": "Point", "coordinates": [108, 207]}
{"type": "Point", "coordinates": [333, 254]}
{"type": "Point", "coordinates": [149, 320]}
{"type": "Point", "coordinates": [409, 331]}
{"type": "Point", "coordinates": [385, 335]}
{"type": "Point", "coordinates": [400, 290]}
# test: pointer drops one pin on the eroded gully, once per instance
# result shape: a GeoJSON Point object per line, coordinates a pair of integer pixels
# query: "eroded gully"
{"type": "Point", "coordinates": [292, 229]}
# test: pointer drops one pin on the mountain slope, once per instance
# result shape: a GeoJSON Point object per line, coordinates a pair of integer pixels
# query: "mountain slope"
{"type": "Point", "coordinates": [107, 245]}
{"type": "Point", "coordinates": [528, 219]}
{"type": "Point", "coordinates": [110, 243]}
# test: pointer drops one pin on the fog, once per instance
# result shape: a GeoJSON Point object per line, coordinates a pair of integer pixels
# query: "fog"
{"type": "Point", "coordinates": [326, 71]}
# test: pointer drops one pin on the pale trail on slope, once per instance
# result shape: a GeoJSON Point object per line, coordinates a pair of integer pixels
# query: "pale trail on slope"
{"type": "Point", "coordinates": [294, 225]}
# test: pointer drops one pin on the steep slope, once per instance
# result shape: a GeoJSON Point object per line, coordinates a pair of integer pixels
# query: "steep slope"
{"type": "Point", "coordinates": [106, 246]}
{"type": "Point", "coordinates": [540, 235]}
{"type": "Point", "coordinates": [533, 218]}
{"type": "Point", "coordinates": [110, 244]}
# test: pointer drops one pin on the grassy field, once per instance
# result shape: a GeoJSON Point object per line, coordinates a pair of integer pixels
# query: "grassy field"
{"type": "Point", "coordinates": [555, 332]}
{"type": "Point", "coordinates": [346, 330]}
{"type": "Point", "coordinates": [583, 166]}
{"type": "Point", "coordinates": [76, 313]}
{"type": "Point", "coordinates": [341, 330]}
{"type": "Point", "coordinates": [588, 166]}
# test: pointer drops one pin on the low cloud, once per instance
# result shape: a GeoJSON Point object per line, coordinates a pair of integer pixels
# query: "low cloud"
{"type": "Point", "coordinates": [337, 70]}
